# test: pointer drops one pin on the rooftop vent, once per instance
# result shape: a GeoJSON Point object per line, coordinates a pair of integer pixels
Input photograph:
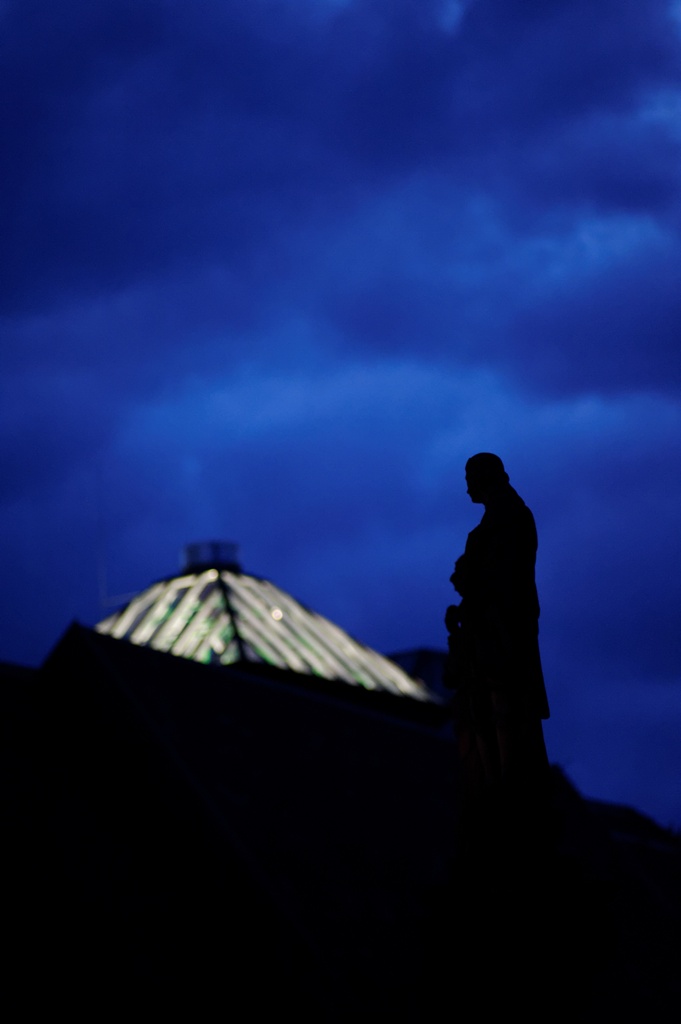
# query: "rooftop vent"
{"type": "Point", "coordinates": [210, 554]}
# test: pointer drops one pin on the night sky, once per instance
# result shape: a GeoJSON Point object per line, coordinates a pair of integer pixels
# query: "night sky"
{"type": "Point", "coordinates": [273, 270]}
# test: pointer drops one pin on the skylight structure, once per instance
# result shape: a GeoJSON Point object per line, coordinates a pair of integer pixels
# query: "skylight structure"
{"type": "Point", "coordinates": [216, 614]}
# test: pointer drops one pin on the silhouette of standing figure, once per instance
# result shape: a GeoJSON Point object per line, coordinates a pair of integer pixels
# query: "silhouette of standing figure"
{"type": "Point", "coordinates": [494, 663]}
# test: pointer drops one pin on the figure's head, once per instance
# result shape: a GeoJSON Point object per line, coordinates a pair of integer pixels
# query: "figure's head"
{"type": "Point", "coordinates": [484, 474]}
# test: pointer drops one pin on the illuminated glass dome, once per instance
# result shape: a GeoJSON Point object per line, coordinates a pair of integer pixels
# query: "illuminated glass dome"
{"type": "Point", "coordinates": [217, 614]}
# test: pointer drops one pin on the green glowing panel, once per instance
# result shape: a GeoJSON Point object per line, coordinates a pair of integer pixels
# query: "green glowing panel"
{"type": "Point", "coordinates": [221, 617]}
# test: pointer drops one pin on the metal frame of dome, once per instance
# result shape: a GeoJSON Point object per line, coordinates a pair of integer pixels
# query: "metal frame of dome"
{"type": "Point", "coordinates": [222, 615]}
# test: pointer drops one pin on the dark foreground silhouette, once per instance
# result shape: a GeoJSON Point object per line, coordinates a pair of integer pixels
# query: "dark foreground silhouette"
{"type": "Point", "coordinates": [543, 913]}
{"type": "Point", "coordinates": [576, 920]}
{"type": "Point", "coordinates": [184, 840]}
{"type": "Point", "coordinates": [494, 663]}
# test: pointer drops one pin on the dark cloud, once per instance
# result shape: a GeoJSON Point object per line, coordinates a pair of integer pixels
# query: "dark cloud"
{"type": "Point", "coordinates": [617, 331]}
{"type": "Point", "coordinates": [605, 163]}
{"type": "Point", "coordinates": [596, 310]}
{"type": "Point", "coordinates": [123, 114]}
{"type": "Point", "coordinates": [539, 64]}
{"type": "Point", "coordinates": [245, 120]}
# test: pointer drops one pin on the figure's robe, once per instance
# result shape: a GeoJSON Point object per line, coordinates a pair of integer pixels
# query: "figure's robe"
{"type": "Point", "coordinates": [499, 611]}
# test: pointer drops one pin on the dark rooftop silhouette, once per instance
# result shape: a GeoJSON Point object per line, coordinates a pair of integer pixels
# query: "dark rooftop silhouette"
{"type": "Point", "coordinates": [183, 836]}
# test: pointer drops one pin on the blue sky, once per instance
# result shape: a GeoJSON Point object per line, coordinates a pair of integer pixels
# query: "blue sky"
{"type": "Point", "coordinates": [273, 270]}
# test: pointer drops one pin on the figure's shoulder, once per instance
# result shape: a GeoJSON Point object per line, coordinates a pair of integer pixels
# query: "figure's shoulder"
{"type": "Point", "coordinates": [526, 512]}
{"type": "Point", "coordinates": [519, 506]}
{"type": "Point", "coordinates": [527, 524]}
{"type": "Point", "coordinates": [518, 516]}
